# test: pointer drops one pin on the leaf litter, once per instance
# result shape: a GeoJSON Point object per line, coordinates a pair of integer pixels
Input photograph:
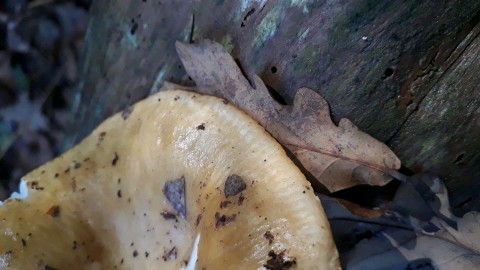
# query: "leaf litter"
{"type": "Point", "coordinates": [415, 230]}
{"type": "Point", "coordinates": [38, 62]}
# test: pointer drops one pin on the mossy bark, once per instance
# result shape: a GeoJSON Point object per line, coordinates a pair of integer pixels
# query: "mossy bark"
{"type": "Point", "coordinates": [405, 72]}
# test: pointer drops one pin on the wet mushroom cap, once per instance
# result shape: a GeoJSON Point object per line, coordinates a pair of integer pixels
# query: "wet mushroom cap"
{"type": "Point", "coordinates": [137, 191]}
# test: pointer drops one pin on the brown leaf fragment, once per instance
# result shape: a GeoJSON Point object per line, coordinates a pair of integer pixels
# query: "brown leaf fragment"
{"type": "Point", "coordinates": [222, 220]}
{"type": "Point", "coordinates": [279, 261]}
{"type": "Point", "coordinates": [115, 159]}
{"type": "Point", "coordinates": [168, 215]}
{"type": "Point", "coordinates": [54, 211]}
{"type": "Point", "coordinates": [175, 192]}
{"type": "Point", "coordinates": [170, 254]}
{"type": "Point", "coordinates": [234, 185]}
{"type": "Point", "coordinates": [199, 218]}
{"type": "Point", "coordinates": [269, 236]}
{"type": "Point", "coordinates": [338, 156]}
{"type": "Point", "coordinates": [224, 204]}
{"type": "Point", "coordinates": [34, 185]}
{"type": "Point", "coordinates": [241, 198]}
{"type": "Point", "coordinates": [359, 210]}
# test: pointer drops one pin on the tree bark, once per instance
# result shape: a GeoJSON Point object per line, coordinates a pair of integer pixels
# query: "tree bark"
{"type": "Point", "coordinates": [405, 72]}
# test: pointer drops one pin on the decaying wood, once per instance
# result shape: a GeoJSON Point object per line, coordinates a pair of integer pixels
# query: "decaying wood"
{"type": "Point", "coordinates": [406, 73]}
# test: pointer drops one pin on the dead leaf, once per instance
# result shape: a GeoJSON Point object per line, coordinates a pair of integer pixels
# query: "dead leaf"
{"type": "Point", "coordinates": [26, 113]}
{"type": "Point", "coordinates": [423, 197]}
{"type": "Point", "coordinates": [417, 232]}
{"type": "Point", "coordinates": [468, 232]}
{"type": "Point", "coordinates": [338, 156]}
{"type": "Point", "coordinates": [26, 116]}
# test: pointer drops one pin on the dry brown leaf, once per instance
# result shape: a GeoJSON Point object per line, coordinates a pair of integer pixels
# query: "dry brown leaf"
{"type": "Point", "coordinates": [338, 156]}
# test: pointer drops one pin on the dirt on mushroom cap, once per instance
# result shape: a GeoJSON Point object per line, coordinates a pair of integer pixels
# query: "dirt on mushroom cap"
{"type": "Point", "coordinates": [136, 192]}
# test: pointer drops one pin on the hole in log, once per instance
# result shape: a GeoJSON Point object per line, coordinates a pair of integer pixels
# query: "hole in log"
{"type": "Point", "coordinates": [388, 72]}
{"type": "Point", "coordinates": [459, 159]}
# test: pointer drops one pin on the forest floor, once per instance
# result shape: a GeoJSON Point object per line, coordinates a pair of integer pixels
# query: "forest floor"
{"type": "Point", "coordinates": [40, 49]}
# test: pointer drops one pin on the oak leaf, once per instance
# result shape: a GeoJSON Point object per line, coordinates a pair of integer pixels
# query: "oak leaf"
{"type": "Point", "coordinates": [337, 156]}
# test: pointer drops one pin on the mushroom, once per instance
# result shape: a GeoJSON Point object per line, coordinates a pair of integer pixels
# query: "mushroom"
{"type": "Point", "coordinates": [174, 168]}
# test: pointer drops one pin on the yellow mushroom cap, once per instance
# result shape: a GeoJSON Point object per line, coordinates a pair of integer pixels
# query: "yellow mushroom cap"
{"type": "Point", "coordinates": [136, 193]}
